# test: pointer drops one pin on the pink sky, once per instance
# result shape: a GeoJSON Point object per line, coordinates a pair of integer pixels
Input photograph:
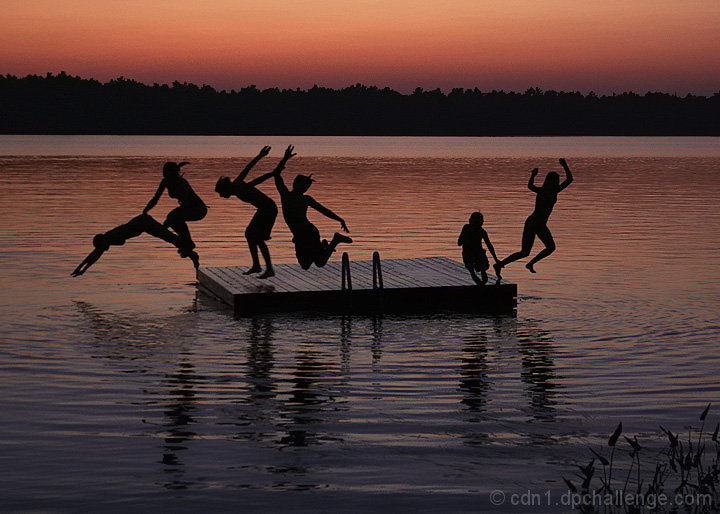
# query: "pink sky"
{"type": "Point", "coordinates": [601, 45]}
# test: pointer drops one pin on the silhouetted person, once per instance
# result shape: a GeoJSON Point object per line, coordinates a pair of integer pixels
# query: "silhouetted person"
{"type": "Point", "coordinates": [474, 257]}
{"type": "Point", "coordinates": [309, 249]}
{"type": "Point", "coordinates": [260, 226]}
{"type": "Point", "coordinates": [536, 223]}
{"type": "Point", "coordinates": [191, 208]}
{"type": "Point", "coordinates": [144, 223]}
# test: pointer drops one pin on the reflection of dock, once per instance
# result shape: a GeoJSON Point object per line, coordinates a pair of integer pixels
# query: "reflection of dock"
{"type": "Point", "coordinates": [429, 284]}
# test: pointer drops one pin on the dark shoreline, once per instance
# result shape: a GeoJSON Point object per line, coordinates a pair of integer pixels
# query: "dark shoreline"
{"type": "Point", "coordinates": [64, 105]}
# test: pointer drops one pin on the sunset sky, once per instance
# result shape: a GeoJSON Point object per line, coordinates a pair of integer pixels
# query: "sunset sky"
{"type": "Point", "coordinates": [601, 45]}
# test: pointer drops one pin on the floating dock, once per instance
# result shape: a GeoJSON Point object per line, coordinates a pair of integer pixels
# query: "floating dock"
{"type": "Point", "coordinates": [420, 285]}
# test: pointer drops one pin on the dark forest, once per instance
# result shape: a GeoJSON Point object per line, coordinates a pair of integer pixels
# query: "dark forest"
{"type": "Point", "coordinates": [63, 104]}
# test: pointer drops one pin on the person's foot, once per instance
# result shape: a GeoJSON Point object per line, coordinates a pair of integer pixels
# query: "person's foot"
{"type": "Point", "coordinates": [195, 258]}
{"type": "Point", "coordinates": [268, 273]}
{"type": "Point", "coordinates": [529, 266]}
{"type": "Point", "coordinates": [340, 238]}
{"type": "Point", "coordinates": [254, 269]}
{"type": "Point", "coordinates": [497, 267]}
{"type": "Point", "coordinates": [186, 248]}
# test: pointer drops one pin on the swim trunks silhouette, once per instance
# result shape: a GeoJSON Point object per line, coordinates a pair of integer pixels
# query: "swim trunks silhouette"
{"type": "Point", "coordinates": [474, 257]}
{"type": "Point", "coordinates": [191, 208]}
{"type": "Point", "coordinates": [309, 249]}
{"type": "Point", "coordinates": [536, 223]}
{"type": "Point", "coordinates": [260, 226]}
{"type": "Point", "coordinates": [144, 223]}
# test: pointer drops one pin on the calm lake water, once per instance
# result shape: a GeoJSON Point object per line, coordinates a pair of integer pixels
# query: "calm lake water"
{"type": "Point", "coordinates": [127, 389]}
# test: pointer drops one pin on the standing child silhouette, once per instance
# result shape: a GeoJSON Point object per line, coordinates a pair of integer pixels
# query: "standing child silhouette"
{"type": "Point", "coordinates": [474, 257]}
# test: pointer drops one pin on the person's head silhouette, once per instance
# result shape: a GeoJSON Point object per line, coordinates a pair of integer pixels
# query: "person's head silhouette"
{"type": "Point", "coordinates": [100, 242]}
{"type": "Point", "coordinates": [223, 187]}
{"type": "Point", "coordinates": [476, 219]}
{"type": "Point", "coordinates": [552, 179]}
{"type": "Point", "coordinates": [171, 170]}
{"type": "Point", "coordinates": [302, 183]}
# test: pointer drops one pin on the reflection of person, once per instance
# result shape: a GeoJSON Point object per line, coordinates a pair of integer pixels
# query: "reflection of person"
{"type": "Point", "coordinates": [260, 227]}
{"type": "Point", "coordinates": [309, 249]}
{"type": "Point", "coordinates": [536, 223]}
{"type": "Point", "coordinates": [474, 257]}
{"type": "Point", "coordinates": [191, 208]}
{"type": "Point", "coordinates": [133, 228]}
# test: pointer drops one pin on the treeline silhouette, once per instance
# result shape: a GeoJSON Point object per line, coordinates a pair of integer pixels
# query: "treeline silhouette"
{"type": "Point", "coordinates": [63, 104]}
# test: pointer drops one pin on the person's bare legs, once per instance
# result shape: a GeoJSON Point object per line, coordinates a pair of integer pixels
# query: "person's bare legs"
{"type": "Point", "coordinates": [176, 220]}
{"type": "Point", "coordinates": [269, 272]}
{"type": "Point", "coordinates": [327, 249]}
{"type": "Point", "coordinates": [152, 227]}
{"type": "Point", "coordinates": [194, 258]}
{"type": "Point", "coordinates": [475, 278]}
{"type": "Point", "coordinates": [546, 237]}
{"type": "Point", "coordinates": [146, 223]}
{"type": "Point", "coordinates": [255, 261]}
{"type": "Point", "coordinates": [339, 238]}
{"type": "Point", "coordinates": [528, 238]}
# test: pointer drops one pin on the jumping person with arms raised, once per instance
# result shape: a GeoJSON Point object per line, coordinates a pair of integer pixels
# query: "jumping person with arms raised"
{"type": "Point", "coordinates": [309, 249]}
{"type": "Point", "coordinates": [536, 223]}
{"type": "Point", "coordinates": [260, 226]}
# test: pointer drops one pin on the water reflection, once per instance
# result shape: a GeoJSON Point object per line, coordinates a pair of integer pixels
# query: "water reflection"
{"type": "Point", "coordinates": [474, 379]}
{"type": "Point", "coordinates": [260, 361]}
{"type": "Point", "coordinates": [345, 337]}
{"type": "Point", "coordinates": [308, 386]}
{"type": "Point", "coordinates": [178, 418]}
{"type": "Point", "coordinates": [313, 399]}
{"type": "Point", "coordinates": [255, 404]}
{"type": "Point", "coordinates": [535, 347]}
{"type": "Point", "coordinates": [129, 340]}
{"type": "Point", "coordinates": [539, 375]}
{"type": "Point", "coordinates": [376, 346]}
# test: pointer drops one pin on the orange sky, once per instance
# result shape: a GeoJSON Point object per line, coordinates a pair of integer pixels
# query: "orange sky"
{"type": "Point", "coordinates": [600, 45]}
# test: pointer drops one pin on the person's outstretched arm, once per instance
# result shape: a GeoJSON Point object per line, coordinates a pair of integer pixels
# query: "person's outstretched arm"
{"type": "Point", "coordinates": [568, 175]}
{"type": "Point", "coordinates": [490, 247]}
{"type": "Point", "coordinates": [325, 211]}
{"type": "Point", "coordinates": [263, 152]}
{"type": "Point", "coordinates": [154, 200]}
{"type": "Point", "coordinates": [277, 172]}
{"type": "Point", "coordinates": [87, 262]}
{"type": "Point", "coordinates": [260, 179]}
{"type": "Point", "coordinates": [531, 183]}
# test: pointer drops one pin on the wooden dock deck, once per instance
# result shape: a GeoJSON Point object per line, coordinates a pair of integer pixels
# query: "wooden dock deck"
{"type": "Point", "coordinates": [431, 284]}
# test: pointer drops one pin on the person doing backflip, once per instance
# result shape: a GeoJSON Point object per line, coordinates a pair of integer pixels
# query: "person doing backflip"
{"type": "Point", "coordinates": [261, 225]}
{"type": "Point", "coordinates": [309, 249]}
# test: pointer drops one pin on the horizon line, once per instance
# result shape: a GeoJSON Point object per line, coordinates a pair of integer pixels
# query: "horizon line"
{"type": "Point", "coordinates": [417, 90]}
